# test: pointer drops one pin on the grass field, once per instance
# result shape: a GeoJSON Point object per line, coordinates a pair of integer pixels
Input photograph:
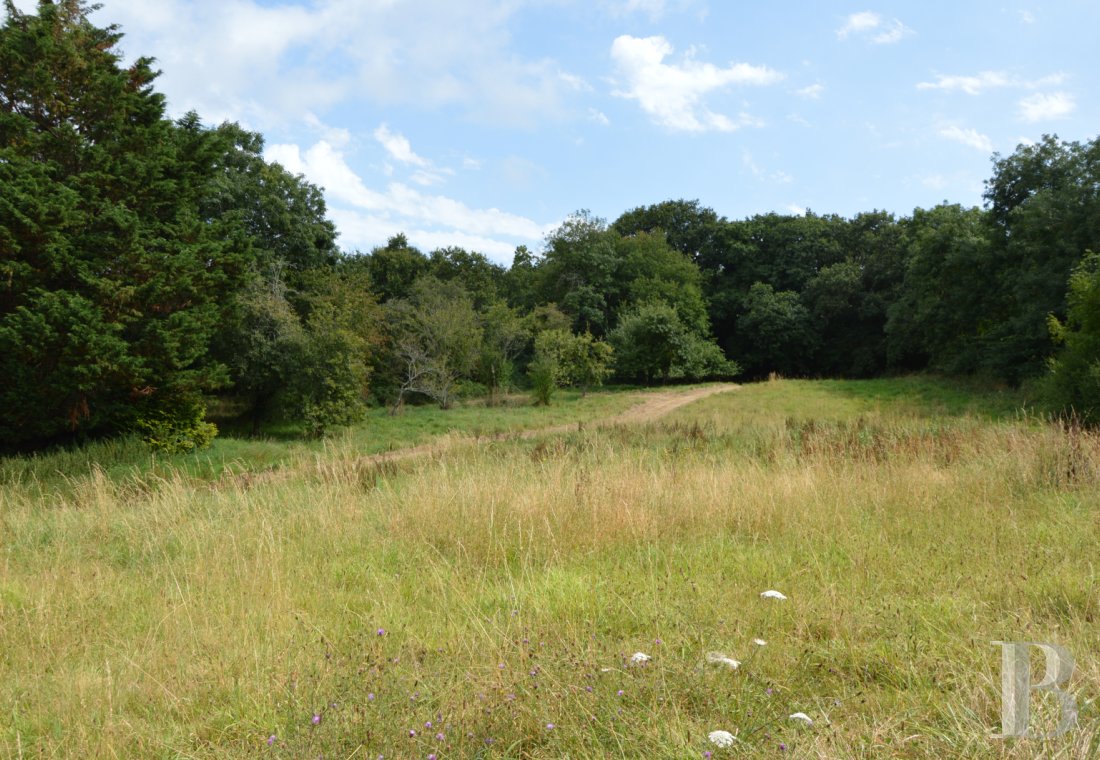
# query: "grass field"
{"type": "Point", "coordinates": [486, 600]}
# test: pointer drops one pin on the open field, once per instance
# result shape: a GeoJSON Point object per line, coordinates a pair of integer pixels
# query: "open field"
{"type": "Point", "coordinates": [496, 589]}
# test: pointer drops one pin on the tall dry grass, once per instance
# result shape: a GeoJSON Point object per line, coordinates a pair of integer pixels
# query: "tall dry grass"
{"type": "Point", "coordinates": [498, 590]}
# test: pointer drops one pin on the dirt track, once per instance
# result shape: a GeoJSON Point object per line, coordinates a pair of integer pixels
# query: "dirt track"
{"type": "Point", "coordinates": [651, 407]}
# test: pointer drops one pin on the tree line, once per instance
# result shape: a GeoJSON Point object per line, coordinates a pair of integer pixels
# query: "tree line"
{"type": "Point", "coordinates": [149, 264]}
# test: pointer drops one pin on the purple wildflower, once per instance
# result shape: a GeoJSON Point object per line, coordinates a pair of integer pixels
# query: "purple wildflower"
{"type": "Point", "coordinates": [440, 737]}
{"type": "Point", "coordinates": [549, 726]}
{"type": "Point", "coordinates": [381, 631]}
{"type": "Point", "coordinates": [316, 718]}
{"type": "Point", "coordinates": [271, 740]}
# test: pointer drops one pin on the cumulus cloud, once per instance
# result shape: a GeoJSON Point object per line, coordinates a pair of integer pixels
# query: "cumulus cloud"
{"type": "Point", "coordinates": [672, 93]}
{"type": "Point", "coordinates": [1047, 107]}
{"type": "Point", "coordinates": [873, 27]}
{"type": "Point", "coordinates": [398, 147]}
{"type": "Point", "coordinates": [971, 137]}
{"type": "Point", "coordinates": [258, 63]}
{"type": "Point", "coordinates": [366, 216]}
{"type": "Point", "coordinates": [976, 84]}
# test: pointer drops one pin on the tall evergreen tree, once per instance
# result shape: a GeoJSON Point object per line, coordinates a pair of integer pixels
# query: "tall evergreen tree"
{"type": "Point", "coordinates": [111, 281]}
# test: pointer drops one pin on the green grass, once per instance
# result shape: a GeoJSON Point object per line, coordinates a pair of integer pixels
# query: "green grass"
{"type": "Point", "coordinates": [514, 580]}
{"type": "Point", "coordinates": [128, 460]}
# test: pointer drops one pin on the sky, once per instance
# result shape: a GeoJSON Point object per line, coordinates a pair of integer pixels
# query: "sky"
{"type": "Point", "coordinates": [485, 123]}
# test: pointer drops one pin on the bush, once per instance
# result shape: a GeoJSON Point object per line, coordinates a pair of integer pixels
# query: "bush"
{"type": "Point", "coordinates": [177, 428]}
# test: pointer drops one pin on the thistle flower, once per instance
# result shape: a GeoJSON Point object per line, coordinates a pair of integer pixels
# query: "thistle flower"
{"type": "Point", "coordinates": [802, 717]}
{"type": "Point", "coordinates": [271, 740]}
{"type": "Point", "coordinates": [773, 594]}
{"type": "Point", "coordinates": [721, 738]}
{"type": "Point", "coordinates": [316, 719]}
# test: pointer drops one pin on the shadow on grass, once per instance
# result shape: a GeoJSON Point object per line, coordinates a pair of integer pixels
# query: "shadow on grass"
{"type": "Point", "coordinates": [930, 395]}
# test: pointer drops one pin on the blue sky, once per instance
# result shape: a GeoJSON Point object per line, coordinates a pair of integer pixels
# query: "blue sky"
{"type": "Point", "coordinates": [483, 123]}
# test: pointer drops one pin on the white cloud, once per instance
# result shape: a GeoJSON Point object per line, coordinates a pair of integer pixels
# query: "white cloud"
{"type": "Point", "coordinates": [796, 209]}
{"type": "Point", "coordinates": [1043, 107]}
{"type": "Point", "coordinates": [264, 64]}
{"type": "Point", "coordinates": [336, 136]}
{"type": "Point", "coordinates": [895, 32]}
{"type": "Point", "coordinates": [866, 23]}
{"type": "Point", "coordinates": [812, 92]}
{"type": "Point", "coordinates": [987, 80]}
{"type": "Point", "coordinates": [1027, 16]}
{"type": "Point", "coordinates": [399, 148]}
{"type": "Point", "coordinates": [971, 137]}
{"type": "Point", "coordinates": [367, 217]}
{"type": "Point", "coordinates": [672, 93]}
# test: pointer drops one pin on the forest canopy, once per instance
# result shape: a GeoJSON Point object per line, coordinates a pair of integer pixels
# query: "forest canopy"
{"type": "Point", "coordinates": [149, 265]}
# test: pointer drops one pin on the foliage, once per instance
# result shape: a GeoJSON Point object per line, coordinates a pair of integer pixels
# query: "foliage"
{"type": "Point", "coordinates": [504, 337]}
{"type": "Point", "coordinates": [1074, 383]}
{"type": "Point", "coordinates": [776, 331]}
{"type": "Point", "coordinates": [653, 343]}
{"type": "Point", "coordinates": [573, 360]}
{"type": "Point", "coordinates": [113, 280]}
{"type": "Point", "coordinates": [435, 340]}
{"type": "Point", "coordinates": [543, 372]}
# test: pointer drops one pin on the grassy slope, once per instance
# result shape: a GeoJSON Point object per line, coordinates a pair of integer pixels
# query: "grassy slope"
{"type": "Point", "coordinates": [909, 523]}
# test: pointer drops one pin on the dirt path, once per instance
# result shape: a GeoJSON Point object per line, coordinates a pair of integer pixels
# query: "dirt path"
{"type": "Point", "coordinates": [651, 407]}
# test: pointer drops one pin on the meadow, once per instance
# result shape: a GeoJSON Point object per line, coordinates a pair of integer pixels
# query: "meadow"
{"type": "Point", "coordinates": [489, 597]}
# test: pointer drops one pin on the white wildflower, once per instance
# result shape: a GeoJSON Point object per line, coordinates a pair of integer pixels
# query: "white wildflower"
{"type": "Point", "coordinates": [721, 738]}
{"type": "Point", "coordinates": [760, 642]}
{"type": "Point", "coordinates": [803, 717]}
{"type": "Point", "coordinates": [773, 594]}
{"type": "Point", "coordinates": [640, 658]}
{"type": "Point", "coordinates": [717, 658]}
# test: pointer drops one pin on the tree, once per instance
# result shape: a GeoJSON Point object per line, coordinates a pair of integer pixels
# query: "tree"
{"type": "Point", "coordinates": [112, 281]}
{"type": "Point", "coordinates": [394, 268]}
{"type": "Point", "coordinates": [573, 360]}
{"type": "Point", "coordinates": [504, 337]}
{"type": "Point", "coordinates": [1073, 385]}
{"type": "Point", "coordinates": [945, 305]}
{"type": "Point", "coordinates": [775, 332]}
{"type": "Point", "coordinates": [481, 278]}
{"type": "Point", "coordinates": [688, 227]}
{"type": "Point", "coordinates": [651, 342]}
{"type": "Point", "coordinates": [580, 272]}
{"type": "Point", "coordinates": [1044, 213]}
{"type": "Point", "coordinates": [435, 338]}
{"type": "Point", "coordinates": [265, 345]}
{"type": "Point", "coordinates": [281, 214]}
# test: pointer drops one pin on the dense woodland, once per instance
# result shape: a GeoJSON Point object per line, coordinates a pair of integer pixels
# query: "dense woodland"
{"type": "Point", "coordinates": [148, 266]}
